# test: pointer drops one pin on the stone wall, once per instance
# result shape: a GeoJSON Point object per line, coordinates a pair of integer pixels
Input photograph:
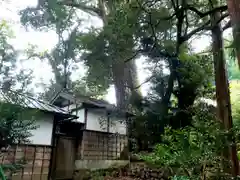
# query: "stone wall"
{"type": "Point", "coordinates": [99, 164]}
{"type": "Point", "coordinates": [143, 172]}
{"type": "Point", "coordinates": [133, 171]}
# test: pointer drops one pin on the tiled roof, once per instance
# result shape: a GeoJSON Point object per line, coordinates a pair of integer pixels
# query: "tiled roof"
{"type": "Point", "coordinates": [88, 100]}
{"type": "Point", "coordinates": [83, 99]}
{"type": "Point", "coordinates": [14, 97]}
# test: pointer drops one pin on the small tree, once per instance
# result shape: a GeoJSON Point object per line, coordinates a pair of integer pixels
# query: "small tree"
{"type": "Point", "coordinates": [16, 121]}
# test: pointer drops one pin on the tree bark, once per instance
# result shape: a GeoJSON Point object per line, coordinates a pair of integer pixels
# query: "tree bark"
{"type": "Point", "coordinates": [119, 78]}
{"type": "Point", "coordinates": [132, 79]}
{"type": "Point", "coordinates": [224, 111]}
{"type": "Point", "coordinates": [124, 74]}
{"type": "Point", "coordinates": [234, 11]}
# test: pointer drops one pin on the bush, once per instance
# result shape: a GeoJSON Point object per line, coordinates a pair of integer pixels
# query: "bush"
{"type": "Point", "coordinates": [16, 124]}
{"type": "Point", "coordinates": [193, 152]}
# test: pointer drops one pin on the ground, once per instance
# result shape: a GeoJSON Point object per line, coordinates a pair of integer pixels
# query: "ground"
{"type": "Point", "coordinates": [119, 178]}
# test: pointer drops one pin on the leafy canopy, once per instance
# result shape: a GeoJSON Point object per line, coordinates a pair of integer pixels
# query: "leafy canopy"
{"type": "Point", "coordinates": [15, 126]}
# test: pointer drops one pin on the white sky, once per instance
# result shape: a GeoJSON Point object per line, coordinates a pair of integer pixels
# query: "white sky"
{"type": "Point", "coordinates": [46, 40]}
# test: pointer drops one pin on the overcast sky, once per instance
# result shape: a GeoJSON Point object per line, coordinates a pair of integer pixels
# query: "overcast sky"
{"type": "Point", "coordinates": [46, 40]}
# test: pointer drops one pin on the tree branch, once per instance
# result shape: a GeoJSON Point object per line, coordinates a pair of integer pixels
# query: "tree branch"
{"type": "Point", "coordinates": [204, 14]}
{"type": "Point", "coordinates": [144, 82]}
{"type": "Point", "coordinates": [187, 24]}
{"type": "Point", "coordinates": [198, 29]}
{"type": "Point", "coordinates": [132, 57]}
{"type": "Point", "coordinates": [188, 7]}
{"type": "Point", "coordinates": [205, 26]}
{"type": "Point", "coordinates": [88, 9]}
{"type": "Point", "coordinates": [228, 25]}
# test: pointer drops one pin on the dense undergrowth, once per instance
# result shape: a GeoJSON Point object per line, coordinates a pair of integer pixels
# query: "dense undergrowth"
{"type": "Point", "coordinates": [196, 151]}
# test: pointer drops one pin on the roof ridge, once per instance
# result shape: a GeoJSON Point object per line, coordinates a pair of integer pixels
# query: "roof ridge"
{"type": "Point", "coordinates": [31, 102]}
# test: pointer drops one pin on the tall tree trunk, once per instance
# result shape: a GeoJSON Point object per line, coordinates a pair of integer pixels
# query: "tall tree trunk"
{"type": "Point", "coordinates": [132, 81]}
{"type": "Point", "coordinates": [234, 11]}
{"type": "Point", "coordinates": [224, 111]}
{"type": "Point", "coordinates": [126, 82]}
{"type": "Point", "coordinates": [119, 78]}
{"type": "Point", "coordinates": [124, 74]}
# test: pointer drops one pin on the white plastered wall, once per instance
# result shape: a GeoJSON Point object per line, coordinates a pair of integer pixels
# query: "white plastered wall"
{"type": "Point", "coordinates": [43, 134]}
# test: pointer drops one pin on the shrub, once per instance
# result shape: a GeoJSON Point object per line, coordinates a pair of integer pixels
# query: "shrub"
{"type": "Point", "coordinates": [193, 152]}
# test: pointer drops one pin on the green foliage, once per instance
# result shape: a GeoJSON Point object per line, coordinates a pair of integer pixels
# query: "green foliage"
{"type": "Point", "coordinates": [64, 58]}
{"type": "Point", "coordinates": [16, 123]}
{"type": "Point", "coordinates": [99, 48]}
{"type": "Point", "coordinates": [192, 151]}
{"type": "Point", "coordinates": [10, 76]}
{"type": "Point", "coordinates": [149, 124]}
{"type": "Point", "coordinates": [84, 88]}
{"type": "Point", "coordinates": [12, 168]}
{"type": "Point", "coordinates": [193, 72]}
{"type": "Point", "coordinates": [159, 30]}
{"type": "Point", "coordinates": [3, 177]}
{"type": "Point", "coordinates": [235, 98]}
{"type": "Point", "coordinates": [96, 58]}
{"type": "Point", "coordinates": [233, 70]}
{"type": "Point", "coordinates": [232, 67]}
{"type": "Point", "coordinates": [180, 178]}
{"type": "Point", "coordinates": [48, 14]}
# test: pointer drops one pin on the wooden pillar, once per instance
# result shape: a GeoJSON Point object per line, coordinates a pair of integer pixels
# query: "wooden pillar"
{"type": "Point", "coordinates": [84, 132]}
{"type": "Point", "coordinates": [108, 133]}
{"type": "Point", "coordinates": [108, 122]}
{"type": "Point", "coordinates": [53, 157]}
{"type": "Point", "coordinates": [127, 134]}
{"type": "Point", "coordinates": [85, 117]}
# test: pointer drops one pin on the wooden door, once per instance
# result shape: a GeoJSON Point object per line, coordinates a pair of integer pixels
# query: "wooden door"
{"type": "Point", "coordinates": [65, 157]}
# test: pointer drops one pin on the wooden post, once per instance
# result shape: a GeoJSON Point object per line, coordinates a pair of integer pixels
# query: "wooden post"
{"type": "Point", "coordinates": [33, 163]}
{"type": "Point", "coordinates": [14, 158]}
{"type": "Point", "coordinates": [85, 117]}
{"type": "Point", "coordinates": [120, 140]}
{"type": "Point", "coordinates": [127, 133]}
{"type": "Point", "coordinates": [42, 162]}
{"type": "Point", "coordinates": [24, 157]}
{"type": "Point", "coordinates": [53, 151]}
{"type": "Point", "coordinates": [108, 133]}
{"type": "Point", "coordinates": [103, 137]}
{"type": "Point", "coordinates": [82, 145]}
{"type": "Point", "coordinates": [83, 134]}
{"type": "Point", "coordinates": [116, 145]}
{"type": "Point", "coordinates": [98, 147]}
